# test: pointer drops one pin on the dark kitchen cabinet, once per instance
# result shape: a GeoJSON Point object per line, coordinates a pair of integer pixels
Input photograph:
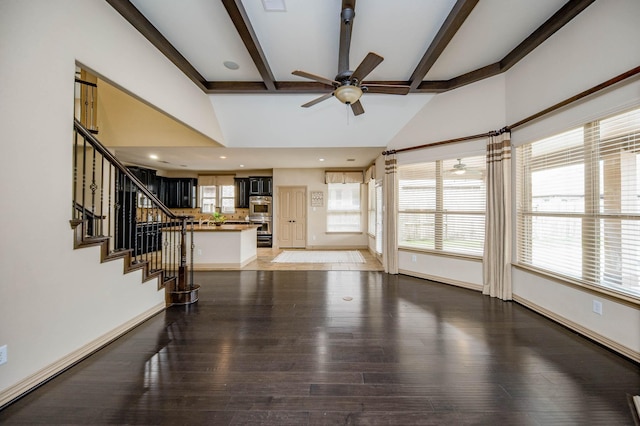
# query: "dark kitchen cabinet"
{"type": "Point", "coordinates": [148, 238]}
{"type": "Point", "coordinates": [261, 185]}
{"type": "Point", "coordinates": [148, 178]}
{"type": "Point", "coordinates": [178, 193]}
{"type": "Point", "coordinates": [175, 193]}
{"type": "Point", "coordinates": [242, 193]}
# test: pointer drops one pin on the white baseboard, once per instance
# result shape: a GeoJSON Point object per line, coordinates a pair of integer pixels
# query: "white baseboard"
{"type": "Point", "coordinates": [463, 284]}
{"type": "Point", "coordinates": [615, 346]}
{"type": "Point", "coordinates": [51, 370]}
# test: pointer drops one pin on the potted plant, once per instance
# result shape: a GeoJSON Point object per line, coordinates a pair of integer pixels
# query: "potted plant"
{"type": "Point", "coordinates": [218, 218]}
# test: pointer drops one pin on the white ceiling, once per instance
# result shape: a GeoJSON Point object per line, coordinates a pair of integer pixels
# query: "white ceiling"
{"type": "Point", "coordinates": [306, 37]}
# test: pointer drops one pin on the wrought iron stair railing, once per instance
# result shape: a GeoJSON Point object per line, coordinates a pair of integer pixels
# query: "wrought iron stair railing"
{"type": "Point", "coordinates": [112, 208]}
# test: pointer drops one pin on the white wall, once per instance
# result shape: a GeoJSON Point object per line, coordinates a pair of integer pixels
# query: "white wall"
{"type": "Point", "coordinates": [469, 110]}
{"type": "Point", "coordinates": [313, 179]}
{"type": "Point", "coordinates": [618, 326]}
{"type": "Point", "coordinates": [52, 300]}
{"type": "Point", "coordinates": [600, 43]}
{"type": "Point", "coordinates": [597, 45]}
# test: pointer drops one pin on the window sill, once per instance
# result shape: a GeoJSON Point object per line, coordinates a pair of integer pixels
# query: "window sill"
{"type": "Point", "coordinates": [441, 253]}
{"type": "Point", "coordinates": [345, 232]}
{"type": "Point", "coordinates": [610, 293]}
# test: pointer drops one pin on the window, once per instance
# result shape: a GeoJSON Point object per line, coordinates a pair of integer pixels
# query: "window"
{"type": "Point", "coordinates": [379, 217]}
{"type": "Point", "coordinates": [578, 209]}
{"type": "Point", "coordinates": [227, 199]}
{"type": "Point", "coordinates": [208, 198]}
{"type": "Point", "coordinates": [371, 200]}
{"type": "Point", "coordinates": [441, 205]}
{"type": "Point", "coordinates": [343, 207]}
{"type": "Point", "coordinates": [217, 196]}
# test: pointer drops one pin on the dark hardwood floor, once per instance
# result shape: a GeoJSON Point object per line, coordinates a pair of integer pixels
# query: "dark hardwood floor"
{"type": "Point", "coordinates": [340, 348]}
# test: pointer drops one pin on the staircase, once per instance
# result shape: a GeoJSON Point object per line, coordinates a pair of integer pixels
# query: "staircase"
{"type": "Point", "coordinates": [112, 209]}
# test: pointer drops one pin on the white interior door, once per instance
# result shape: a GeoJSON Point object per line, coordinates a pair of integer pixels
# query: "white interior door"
{"type": "Point", "coordinates": [292, 217]}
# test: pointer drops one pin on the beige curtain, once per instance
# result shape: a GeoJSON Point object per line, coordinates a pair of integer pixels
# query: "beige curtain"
{"type": "Point", "coordinates": [497, 243]}
{"type": "Point", "coordinates": [343, 177]}
{"type": "Point", "coordinates": [390, 216]}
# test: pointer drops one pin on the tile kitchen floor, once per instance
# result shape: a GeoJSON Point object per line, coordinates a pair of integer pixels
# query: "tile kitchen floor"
{"type": "Point", "coordinates": [267, 254]}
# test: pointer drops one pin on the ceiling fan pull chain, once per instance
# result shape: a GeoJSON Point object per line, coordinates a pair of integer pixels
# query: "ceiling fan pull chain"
{"type": "Point", "coordinates": [347, 109]}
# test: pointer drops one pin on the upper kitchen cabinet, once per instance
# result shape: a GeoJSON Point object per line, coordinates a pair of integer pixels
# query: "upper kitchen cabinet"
{"type": "Point", "coordinates": [147, 177]}
{"type": "Point", "coordinates": [178, 193]}
{"type": "Point", "coordinates": [261, 185]}
{"type": "Point", "coordinates": [242, 193]}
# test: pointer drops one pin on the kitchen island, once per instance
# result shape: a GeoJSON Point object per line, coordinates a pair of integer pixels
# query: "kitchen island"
{"type": "Point", "coordinates": [221, 247]}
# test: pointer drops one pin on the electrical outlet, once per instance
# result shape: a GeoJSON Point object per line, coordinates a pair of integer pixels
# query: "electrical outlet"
{"type": "Point", "coordinates": [597, 307]}
{"type": "Point", "coordinates": [199, 252]}
{"type": "Point", "coordinates": [414, 258]}
{"type": "Point", "coordinates": [3, 354]}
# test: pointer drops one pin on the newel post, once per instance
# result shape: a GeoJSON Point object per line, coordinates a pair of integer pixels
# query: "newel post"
{"type": "Point", "coordinates": [183, 294]}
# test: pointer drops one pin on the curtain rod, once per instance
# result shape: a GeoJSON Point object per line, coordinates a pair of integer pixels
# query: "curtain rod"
{"type": "Point", "coordinates": [594, 89]}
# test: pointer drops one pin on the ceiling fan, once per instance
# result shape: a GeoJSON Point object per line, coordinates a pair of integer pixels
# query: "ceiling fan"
{"type": "Point", "coordinates": [348, 85]}
{"type": "Point", "coordinates": [462, 171]}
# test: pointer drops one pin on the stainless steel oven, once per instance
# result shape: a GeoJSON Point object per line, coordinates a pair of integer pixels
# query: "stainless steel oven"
{"type": "Point", "coordinates": [264, 226]}
{"type": "Point", "coordinates": [265, 238]}
{"type": "Point", "coordinates": [260, 207]}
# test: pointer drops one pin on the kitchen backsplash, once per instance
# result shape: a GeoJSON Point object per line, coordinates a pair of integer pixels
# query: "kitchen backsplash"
{"type": "Point", "coordinates": [239, 215]}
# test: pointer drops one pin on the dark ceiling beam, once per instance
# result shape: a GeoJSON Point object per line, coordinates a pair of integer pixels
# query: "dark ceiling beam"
{"type": "Point", "coordinates": [570, 10]}
{"type": "Point", "coordinates": [241, 21]}
{"type": "Point", "coordinates": [142, 24]}
{"type": "Point", "coordinates": [259, 87]}
{"type": "Point", "coordinates": [451, 25]}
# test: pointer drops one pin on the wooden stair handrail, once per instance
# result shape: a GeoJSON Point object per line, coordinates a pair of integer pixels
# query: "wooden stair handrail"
{"type": "Point", "coordinates": [123, 169]}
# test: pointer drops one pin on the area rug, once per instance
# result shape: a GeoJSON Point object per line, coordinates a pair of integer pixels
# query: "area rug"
{"type": "Point", "coordinates": [319, 256]}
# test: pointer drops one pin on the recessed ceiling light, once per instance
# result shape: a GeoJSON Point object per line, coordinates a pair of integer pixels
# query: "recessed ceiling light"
{"type": "Point", "coordinates": [274, 6]}
{"type": "Point", "coordinates": [320, 159]}
{"type": "Point", "coordinates": [241, 165]}
{"type": "Point", "coordinates": [223, 157]}
{"type": "Point", "coordinates": [231, 65]}
{"type": "Point", "coordinates": [153, 156]}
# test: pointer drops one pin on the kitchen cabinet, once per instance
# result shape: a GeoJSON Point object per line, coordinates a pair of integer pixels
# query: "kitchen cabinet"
{"type": "Point", "coordinates": [148, 238]}
{"type": "Point", "coordinates": [148, 178]}
{"type": "Point", "coordinates": [242, 193]}
{"type": "Point", "coordinates": [261, 185]}
{"type": "Point", "coordinates": [178, 193]}
{"type": "Point", "coordinates": [175, 193]}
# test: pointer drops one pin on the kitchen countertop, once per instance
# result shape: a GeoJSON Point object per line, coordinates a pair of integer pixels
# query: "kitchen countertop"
{"type": "Point", "coordinates": [223, 228]}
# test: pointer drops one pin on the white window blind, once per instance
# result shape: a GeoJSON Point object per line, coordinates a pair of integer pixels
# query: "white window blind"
{"type": "Point", "coordinates": [208, 199]}
{"type": "Point", "coordinates": [343, 207]}
{"type": "Point", "coordinates": [217, 193]}
{"type": "Point", "coordinates": [379, 217]}
{"type": "Point", "coordinates": [441, 205]}
{"type": "Point", "coordinates": [578, 210]}
{"type": "Point", "coordinates": [227, 199]}
{"type": "Point", "coordinates": [371, 201]}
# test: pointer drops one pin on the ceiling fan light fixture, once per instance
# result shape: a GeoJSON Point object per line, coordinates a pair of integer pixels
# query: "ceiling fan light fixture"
{"type": "Point", "coordinates": [459, 169]}
{"type": "Point", "coordinates": [348, 94]}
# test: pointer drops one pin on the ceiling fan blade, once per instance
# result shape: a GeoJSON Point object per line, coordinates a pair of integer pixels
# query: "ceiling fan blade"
{"type": "Point", "coordinates": [367, 65]}
{"type": "Point", "coordinates": [317, 78]}
{"type": "Point", "coordinates": [357, 108]}
{"type": "Point", "coordinates": [386, 88]}
{"type": "Point", "coordinates": [317, 100]}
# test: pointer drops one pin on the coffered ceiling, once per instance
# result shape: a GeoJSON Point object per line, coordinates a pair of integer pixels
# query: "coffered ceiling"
{"type": "Point", "coordinates": [432, 46]}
